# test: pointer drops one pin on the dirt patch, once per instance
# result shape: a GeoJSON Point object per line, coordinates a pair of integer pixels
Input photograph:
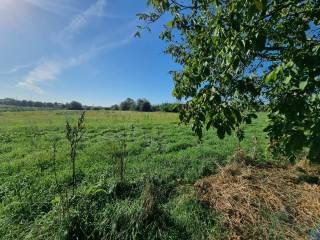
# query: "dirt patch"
{"type": "Point", "coordinates": [264, 203]}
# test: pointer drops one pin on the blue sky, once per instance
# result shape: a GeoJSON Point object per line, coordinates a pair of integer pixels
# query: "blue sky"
{"type": "Point", "coordinates": [58, 50]}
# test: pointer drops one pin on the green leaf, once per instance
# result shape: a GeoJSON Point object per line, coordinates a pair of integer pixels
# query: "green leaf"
{"type": "Point", "coordinates": [219, 49]}
{"type": "Point", "coordinates": [288, 79]}
{"type": "Point", "coordinates": [274, 74]}
{"type": "Point", "coordinates": [170, 24]}
{"type": "Point", "coordinates": [303, 84]}
{"type": "Point", "coordinates": [271, 76]}
{"type": "Point", "coordinates": [315, 97]}
{"type": "Point", "coordinates": [259, 5]}
{"type": "Point", "coordinates": [137, 34]}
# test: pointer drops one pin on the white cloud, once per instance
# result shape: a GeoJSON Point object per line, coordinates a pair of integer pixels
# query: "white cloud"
{"type": "Point", "coordinates": [49, 70]}
{"type": "Point", "coordinates": [45, 71]}
{"type": "Point", "coordinates": [59, 7]}
{"type": "Point", "coordinates": [83, 19]}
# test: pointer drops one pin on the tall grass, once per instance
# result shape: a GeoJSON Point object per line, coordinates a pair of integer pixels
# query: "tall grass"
{"type": "Point", "coordinates": [140, 187]}
{"type": "Point", "coordinates": [119, 153]}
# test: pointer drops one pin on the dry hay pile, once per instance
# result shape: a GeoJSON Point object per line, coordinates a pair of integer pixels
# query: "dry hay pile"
{"type": "Point", "coordinates": [263, 203]}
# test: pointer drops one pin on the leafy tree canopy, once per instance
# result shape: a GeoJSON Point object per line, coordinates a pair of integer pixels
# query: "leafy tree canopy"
{"type": "Point", "coordinates": [115, 107]}
{"type": "Point", "coordinates": [168, 107]}
{"type": "Point", "coordinates": [144, 105]}
{"type": "Point", "coordinates": [237, 53]}
{"type": "Point", "coordinates": [128, 104]}
{"type": "Point", "coordinates": [74, 105]}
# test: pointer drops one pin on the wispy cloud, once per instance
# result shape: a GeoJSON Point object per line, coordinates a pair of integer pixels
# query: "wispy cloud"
{"type": "Point", "coordinates": [58, 7]}
{"type": "Point", "coordinates": [45, 71]}
{"type": "Point", "coordinates": [83, 19]}
{"type": "Point", "coordinates": [49, 70]}
{"type": "Point", "coordinates": [17, 68]}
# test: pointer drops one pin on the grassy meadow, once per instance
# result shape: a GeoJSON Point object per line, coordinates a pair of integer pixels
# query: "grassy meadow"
{"type": "Point", "coordinates": [156, 200]}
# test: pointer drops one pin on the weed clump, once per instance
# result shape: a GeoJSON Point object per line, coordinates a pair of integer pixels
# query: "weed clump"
{"type": "Point", "coordinates": [149, 202]}
{"type": "Point", "coordinates": [119, 153]}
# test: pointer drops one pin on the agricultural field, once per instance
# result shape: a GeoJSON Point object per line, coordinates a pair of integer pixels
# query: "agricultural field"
{"type": "Point", "coordinates": [150, 196]}
{"type": "Point", "coordinates": [160, 120]}
{"type": "Point", "coordinates": [157, 148]}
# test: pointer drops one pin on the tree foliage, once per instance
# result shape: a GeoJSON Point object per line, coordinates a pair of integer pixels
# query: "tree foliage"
{"type": "Point", "coordinates": [115, 107]}
{"type": "Point", "coordinates": [143, 105]}
{"type": "Point", "coordinates": [236, 54]}
{"type": "Point", "coordinates": [167, 107]}
{"type": "Point", "coordinates": [26, 103]}
{"type": "Point", "coordinates": [74, 105]}
{"type": "Point", "coordinates": [128, 104]}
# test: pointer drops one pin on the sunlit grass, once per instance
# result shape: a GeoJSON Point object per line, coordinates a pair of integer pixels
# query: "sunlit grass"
{"type": "Point", "coordinates": [158, 147]}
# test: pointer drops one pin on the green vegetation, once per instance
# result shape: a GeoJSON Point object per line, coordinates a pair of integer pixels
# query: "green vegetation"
{"type": "Point", "coordinates": [133, 177]}
{"type": "Point", "coordinates": [133, 174]}
{"type": "Point", "coordinates": [233, 55]}
{"type": "Point", "coordinates": [141, 105]}
{"type": "Point", "coordinates": [9, 104]}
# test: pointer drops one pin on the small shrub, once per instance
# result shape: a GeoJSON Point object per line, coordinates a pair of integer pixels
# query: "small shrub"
{"type": "Point", "coordinates": [74, 136]}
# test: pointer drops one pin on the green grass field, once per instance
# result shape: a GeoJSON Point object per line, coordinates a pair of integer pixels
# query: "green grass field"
{"type": "Point", "coordinates": [164, 161]}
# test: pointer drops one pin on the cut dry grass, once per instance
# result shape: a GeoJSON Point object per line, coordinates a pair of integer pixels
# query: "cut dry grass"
{"type": "Point", "coordinates": [264, 203]}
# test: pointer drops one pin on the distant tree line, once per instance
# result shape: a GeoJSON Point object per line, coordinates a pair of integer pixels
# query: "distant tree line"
{"type": "Point", "coordinates": [26, 103]}
{"type": "Point", "coordinates": [74, 105]}
{"type": "Point", "coordinates": [143, 105]}
{"type": "Point", "coordinates": [167, 107]}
